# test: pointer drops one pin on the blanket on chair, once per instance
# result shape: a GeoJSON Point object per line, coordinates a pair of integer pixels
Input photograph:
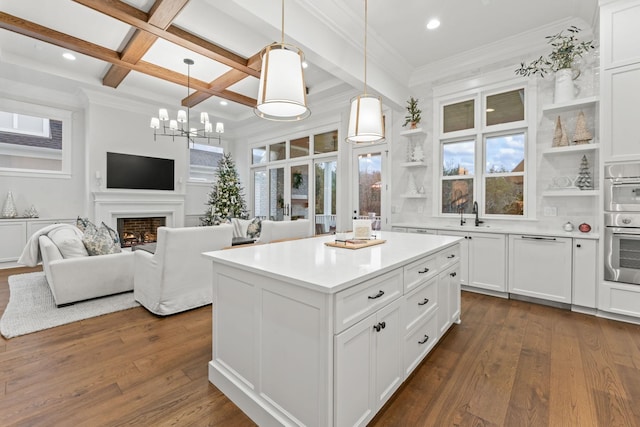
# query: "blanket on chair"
{"type": "Point", "coordinates": [31, 253]}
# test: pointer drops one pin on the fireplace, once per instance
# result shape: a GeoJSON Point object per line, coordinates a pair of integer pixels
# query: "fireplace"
{"type": "Point", "coordinates": [136, 231]}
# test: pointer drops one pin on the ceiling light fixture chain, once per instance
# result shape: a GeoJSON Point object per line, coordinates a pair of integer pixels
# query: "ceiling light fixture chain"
{"type": "Point", "coordinates": [192, 134]}
{"type": "Point", "coordinates": [282, 94]}
{"type": "Point", "coordinates": [366, 121]}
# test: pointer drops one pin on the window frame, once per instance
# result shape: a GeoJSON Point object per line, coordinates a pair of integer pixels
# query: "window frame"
{"type": "Point", "coordinates": [50, 113]}
{"type": "Point", "coordinates": [479, 89]}
{"type": "Point", "coordinates": [203, 169]}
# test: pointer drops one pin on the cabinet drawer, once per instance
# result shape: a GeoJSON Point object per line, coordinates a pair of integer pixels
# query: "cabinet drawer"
{"type": "Point", "coordinates": [449, 256]}
{"type": "Point", "coordinates": [420, 303]}
{"type": "Point", "coordinates": [359, 301]}
{"type": "Point", "coordinates": [419, 271]}
{"type": "Point", "coordinates": [420, 341]}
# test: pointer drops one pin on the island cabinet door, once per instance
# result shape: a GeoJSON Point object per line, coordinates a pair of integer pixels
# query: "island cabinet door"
{"type": "Point", "coordinates": [368, 365]}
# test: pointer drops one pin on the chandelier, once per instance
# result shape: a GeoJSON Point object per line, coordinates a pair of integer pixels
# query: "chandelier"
{"type": "Point", "coordinates": [366, 122]}
{"type": "Point", "coordinates": [181, 125]}
{"type": "Point", "coordinates": [282, 94]}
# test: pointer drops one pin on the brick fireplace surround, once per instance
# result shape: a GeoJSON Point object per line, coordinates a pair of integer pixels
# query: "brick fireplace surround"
{"type": "Point", "coordinates": [135, 231]}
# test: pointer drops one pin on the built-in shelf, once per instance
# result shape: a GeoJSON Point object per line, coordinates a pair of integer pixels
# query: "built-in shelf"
{"type": "Point", "coordinates": [414, 196]}
{"type": "Point", "coordinates": [570, 149]}
{"type": "Point", "coordinates": [412, 132]}
{"type": "Point", "coordinates": [570, 105]}
{"type": "Point", "coordinates": [413, 164]}
{"type": "Point", "coordinates": [570, 193]}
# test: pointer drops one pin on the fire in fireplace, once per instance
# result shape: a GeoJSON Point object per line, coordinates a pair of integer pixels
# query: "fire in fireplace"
{"type": "Point", "coordinates": [136, 231]}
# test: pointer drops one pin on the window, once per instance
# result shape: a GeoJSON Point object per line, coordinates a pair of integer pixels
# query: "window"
{"type": "Point", "coordinates": [34, 139]}
{"type": "Point", "coordinates": [483, 156]}
{"type": "Point", "coordinates": [299, 147]}
{"type": "Point", "coordinates": [203, 162]}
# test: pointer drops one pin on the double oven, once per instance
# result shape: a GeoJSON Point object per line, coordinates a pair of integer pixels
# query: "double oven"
{"type": "Point", "coordinates": [622, 223]}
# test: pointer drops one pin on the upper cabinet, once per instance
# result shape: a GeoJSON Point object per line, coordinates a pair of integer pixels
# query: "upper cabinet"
{"type": "Point", "coordinates": [620, 79]}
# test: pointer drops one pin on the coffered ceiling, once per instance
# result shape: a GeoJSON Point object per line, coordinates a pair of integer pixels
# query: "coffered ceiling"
{"type": "Point", "coordinates": [135, 48]}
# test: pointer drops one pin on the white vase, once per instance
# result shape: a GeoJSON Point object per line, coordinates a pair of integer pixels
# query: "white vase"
{"type": "Point", "coordinates": [565, 90]}
{"type": "Point", "coordinates": [9, 209]}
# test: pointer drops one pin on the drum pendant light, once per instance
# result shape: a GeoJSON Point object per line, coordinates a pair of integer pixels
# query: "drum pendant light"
{"type": "Point", "coordinates": [366, 122]}
{"type": "Point", "coordinates": [282, 92]}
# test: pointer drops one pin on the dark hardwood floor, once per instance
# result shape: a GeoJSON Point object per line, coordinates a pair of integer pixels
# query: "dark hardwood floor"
{"type": "Point", "coordinates": [509, 363]}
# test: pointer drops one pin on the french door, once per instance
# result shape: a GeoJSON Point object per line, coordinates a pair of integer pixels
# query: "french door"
{"type": "Point", "coordinates": [369, 184]}
{"type": "Point", "coordinates": [289, 191]}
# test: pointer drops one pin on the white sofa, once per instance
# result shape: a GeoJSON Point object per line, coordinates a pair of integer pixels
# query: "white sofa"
{"type": "Point", "coordinates": [82, 278]}
{"type": "Point", "coordinates": [273, 231]}
{"type": "Point", "coordinates": [177, 277]}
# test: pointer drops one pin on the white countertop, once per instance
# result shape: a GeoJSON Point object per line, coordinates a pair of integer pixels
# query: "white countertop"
{"type": "Point", "coordinates": [312, 264]}
{"type": "Point", "coordinates": [500, 229]}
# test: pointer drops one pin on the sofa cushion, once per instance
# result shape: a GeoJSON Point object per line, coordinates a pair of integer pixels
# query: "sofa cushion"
{"type": "Point", "coordinates": [98, 241]}
{"type": "Point", "coordinates": [113, 233]}
{"type": "Point", "coordinates": [69, 242]}
{"type": "Point", "coordinates": [240, 227]}
{"type": "Point", "coordinates": [82, 223]}
{"type": "Point", "coordinates": [253, 229]}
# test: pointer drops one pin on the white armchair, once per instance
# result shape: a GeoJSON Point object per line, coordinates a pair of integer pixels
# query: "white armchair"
{"type": "Point", "coordinates": [177, 277]}
{"type": "Point", "coordinates": [273, 231]}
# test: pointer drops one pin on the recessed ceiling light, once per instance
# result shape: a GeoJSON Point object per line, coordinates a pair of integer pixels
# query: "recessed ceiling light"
{"type": "Point", "coordinates": [490, 110]}
{"type": "Point", "coordinates": [433, 24]}
{"type": "Point", "coordinates": [68, 55]}
{"type": "Point", "coordinates": [223, 102]}
{"type": "Point", "coordinates": [305, 64]}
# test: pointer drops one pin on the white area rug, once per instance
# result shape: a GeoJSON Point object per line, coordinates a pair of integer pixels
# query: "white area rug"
{"type": "Point", "coordinates": [31, 307]}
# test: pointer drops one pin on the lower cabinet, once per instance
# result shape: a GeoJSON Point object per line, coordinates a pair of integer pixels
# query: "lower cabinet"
{"type": "Point", "coordinates": [585, 272]}
{"type": "Point", "coordinates": [540, 267]}
{"type": "Point", "coordinates": [369, 366]}
{"type": "Point", "coordinates": [14, 234]}
{"type": "Point", "coordinates": [483, 260]}
{"type": "Point", "coordinates": [449, 298]}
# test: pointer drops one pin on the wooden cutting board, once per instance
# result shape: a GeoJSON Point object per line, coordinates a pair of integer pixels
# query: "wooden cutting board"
{"type": "Point", "coordinates": [355, 244]}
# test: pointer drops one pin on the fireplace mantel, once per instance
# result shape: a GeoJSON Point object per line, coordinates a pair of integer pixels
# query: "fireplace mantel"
{"type": "Point", "coordinates": [110, 205]}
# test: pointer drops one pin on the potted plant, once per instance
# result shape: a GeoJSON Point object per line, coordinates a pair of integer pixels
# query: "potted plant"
{"type": "Point", "coordinates": [414, 112]}
{"type": "Point", "coordinates": [566, 49]}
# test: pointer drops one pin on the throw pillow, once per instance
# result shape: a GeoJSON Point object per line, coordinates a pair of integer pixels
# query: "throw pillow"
{"type": "Point", "coordinates": [69, 242]}
{"type": "Point", "coordinates": [82, 223]}
{"type": "Point", "coordinates": [240, 226]}
{"type": "Point", "coordinates": [254, 228]}
{"type": "Point", "coordinates": [98, 241]}
{"type": "Point", "coordinates": [113, 233]}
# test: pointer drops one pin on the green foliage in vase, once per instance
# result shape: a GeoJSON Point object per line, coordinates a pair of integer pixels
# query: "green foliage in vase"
{"type": "Point", "coordinates": [413, 111]}
{"type": "Point", "coordinates": [226, 198]}
{"type": "Point", "coordinates": [566, 48]}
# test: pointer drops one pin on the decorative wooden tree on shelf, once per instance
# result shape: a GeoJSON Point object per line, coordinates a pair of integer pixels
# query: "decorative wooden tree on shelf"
{"type": "Point", "coordinates": [560, 138]}
{"type": "Point", "coordinates": [584, 176]}
{"type": "Point", "coordinates": [582, 134]}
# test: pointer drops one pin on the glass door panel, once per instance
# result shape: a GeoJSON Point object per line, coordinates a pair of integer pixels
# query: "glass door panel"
{"type": "Point", "coordinates": [369, 186]}
{"type": "Point", "coordinates": [260, 194]}
{"type": "Point", "coordinates": [299, 191]}
{"type": "Point", "coordinates": [325, 196]}
{"type": "Point", "coordinates": [276, 194]}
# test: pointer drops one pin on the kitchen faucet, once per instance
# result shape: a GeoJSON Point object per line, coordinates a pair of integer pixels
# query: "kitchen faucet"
{"type": "Point", "coordinates": [462, 220]}
{"type": "Point", "coordinates": [475, 211]}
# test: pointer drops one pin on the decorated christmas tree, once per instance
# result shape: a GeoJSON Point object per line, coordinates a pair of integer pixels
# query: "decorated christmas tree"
{"type": "Point", "coordinates": [226, 199]}
{"type": "Point", "coordinates": [584, 176]}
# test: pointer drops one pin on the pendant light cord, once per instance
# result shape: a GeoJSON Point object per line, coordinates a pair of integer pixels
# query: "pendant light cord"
{"type": "Point", "coordinates": [282, 21]}
{"type": "Point", "coordinates": [365, 46]}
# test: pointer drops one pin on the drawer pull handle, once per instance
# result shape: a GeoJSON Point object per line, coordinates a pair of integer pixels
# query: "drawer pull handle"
{"type": "Point", "coordinates": [454, 274]}
{"type": "Point", "coordinates": [426, 301]}
{"type": "Point", "coordinates": [426, 270]}
{"type": "Point", "coordinates": [380, 325]}
{"type": "Point", "coordinates": [451, 256]}
{"type": "Point", "coordinates": [426, 338]}
{"type": "Point", "coordinates": [378, 295]}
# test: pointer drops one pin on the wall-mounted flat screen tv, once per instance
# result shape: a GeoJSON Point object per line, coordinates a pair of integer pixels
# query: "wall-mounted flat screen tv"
{"type": "Point", "coordinates": [126, 171]}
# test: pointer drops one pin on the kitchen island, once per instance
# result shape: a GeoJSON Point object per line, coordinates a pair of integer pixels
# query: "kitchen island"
{"type": "Point", "coordinates": [306, 334]}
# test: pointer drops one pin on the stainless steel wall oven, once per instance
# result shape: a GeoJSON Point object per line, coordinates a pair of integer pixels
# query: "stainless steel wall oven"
{"type": "Point", "coordinates": [622, 247]}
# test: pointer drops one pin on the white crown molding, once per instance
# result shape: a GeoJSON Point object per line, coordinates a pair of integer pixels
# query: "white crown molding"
{"type": "Point", "coordinates": [517, 48]}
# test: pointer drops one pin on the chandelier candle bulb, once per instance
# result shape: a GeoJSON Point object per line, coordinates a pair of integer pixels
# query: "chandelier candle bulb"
{"type": "Point", "coordinates": [220, 127]}
{"type": "Point", "coordinates": [182, 116]}
{"type": "Point", "coordinates": [204, 118]}
{"type": "Point", "coordinates": [155, 123]}
{"type": "Point", "coordinates": [208, 127]}
{"type": "Point", "coordinates": [163, 114]}
{"type": "Point", "coordinates": [173, 125]}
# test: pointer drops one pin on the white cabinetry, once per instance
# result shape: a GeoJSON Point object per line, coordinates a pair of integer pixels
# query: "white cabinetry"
{"type": "Point", "coordinates": [540, 267]}
{"type": "Point", "coordinates": [14, 234]}
{"type": "Point", "coordinates": [620, 78]}
{"type": "Point", "coordinates": [483, 260]}
{"type": "Point", "coordinates": [448, 298]}
{"type": "Point", "coordinates": [369, 367]}
{"type": "Point", "coordinates": [585, 273]}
